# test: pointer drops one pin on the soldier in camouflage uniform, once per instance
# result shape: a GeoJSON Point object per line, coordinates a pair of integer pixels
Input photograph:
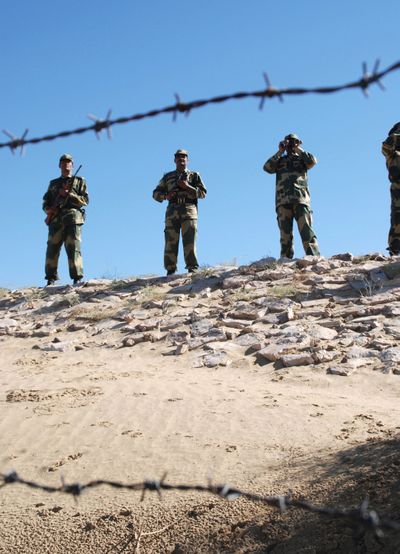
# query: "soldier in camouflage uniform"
{"type": "Point", "coordinates": [391, 151]}
{"type": "Point", "coordinates": [181, 188]}
{"type": "Point", "coordinates": [292, 195]}
{"type": "Point", "coordinates": [64, 202]}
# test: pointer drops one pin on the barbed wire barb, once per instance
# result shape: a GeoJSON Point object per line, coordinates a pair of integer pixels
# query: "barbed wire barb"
{"type": "Point", "coordinates": [366, 80]}
{"type": "Point", "coordinates": [16, 142]}
{"type": "Point", "coordinates": [100, 124]}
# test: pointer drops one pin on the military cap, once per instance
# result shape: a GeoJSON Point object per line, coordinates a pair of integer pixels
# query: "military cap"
{"type": "Point", "coordinates": [395, 129]}
{"type": "Point", "coordinates": [292, 136]}
{"type": "Point", "coordinates": [66, 157]}
{"type": "Point", "coordinates": [181, 152]}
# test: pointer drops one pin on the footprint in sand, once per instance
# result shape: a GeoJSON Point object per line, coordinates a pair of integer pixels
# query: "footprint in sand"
{"type": "Point", "coordinates": [63, 461]}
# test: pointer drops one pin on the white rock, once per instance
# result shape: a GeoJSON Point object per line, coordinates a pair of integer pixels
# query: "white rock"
{"type": "Point", "coordinates": [290, 360]}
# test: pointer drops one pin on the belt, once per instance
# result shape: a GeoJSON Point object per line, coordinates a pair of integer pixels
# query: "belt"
{"type": "Point", "coordinates": [182, 202]}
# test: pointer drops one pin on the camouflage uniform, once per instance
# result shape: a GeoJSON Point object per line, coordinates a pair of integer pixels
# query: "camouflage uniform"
{"type": "Point", "coordinates": [65, 228]}
{"type": "Point", "coordinates": [292, 200]}
{"type": "Point", "coordinates": [180, 217]}
{"type": "Point", "coordinates": [391, 151]}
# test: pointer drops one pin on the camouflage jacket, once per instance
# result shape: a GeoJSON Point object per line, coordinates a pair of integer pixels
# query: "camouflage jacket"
{"type": "Point", "coordinates": [391, 151]}
{"type": "Point", "coordinates": [169, 183]}
{"type": "Point", "coordinates": [71, 209]}
{"type": "Point", "coordinates": [291, 177]}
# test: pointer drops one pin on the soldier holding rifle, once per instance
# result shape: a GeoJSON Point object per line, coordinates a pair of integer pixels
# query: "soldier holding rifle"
{"type": "Point", "coordinates": [181, 188]}
{"type": "Point", "coordinates": [64, 204]}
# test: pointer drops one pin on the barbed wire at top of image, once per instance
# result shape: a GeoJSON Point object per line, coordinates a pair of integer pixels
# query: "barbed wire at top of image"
{"type": "Point", "coordinates": [361, 517]}
{"type": "Point", "coordinates": [99, 125]}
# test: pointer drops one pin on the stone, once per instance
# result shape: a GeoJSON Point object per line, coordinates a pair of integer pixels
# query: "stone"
{"type": "Point", "coordinates": [323, 356]}
{"type": "Point", "coordinates": [216, 359]}
{"type": "Point", "coordinates": [249, 339]}
{"type": "Point", "coordinates": [290, 360]}
{"type": "Point", "coordinates": [308, 261]}
{"type": "Point", "coordinates": [274, 352]}
{"type": "Point", "coordinates": [243, 310]}
{"type": "Point", "coordinates": [345, 257]}
{"type": "Point", "coordinates": [391, 355]}
{"type": "Point", "coordinates": [235, 282]}
{"type": "Point", "coordinates": [201, 327]}
{"type": "Point", "coordinates": [339, 370]}
{"type": "Point", "coordinates": [213, 335]}
{"type": "Point", "coordinates": [137, 338]}
{"type": "Point", "coordinates": [63, 346]}
{"type": "Point", "coordinates": [356, 352]}
{"type": "Point", "coordinates": [181, 349]}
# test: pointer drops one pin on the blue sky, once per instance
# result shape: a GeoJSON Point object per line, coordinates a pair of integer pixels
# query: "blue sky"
{"type": "Point", "coordinates": [63, 61]}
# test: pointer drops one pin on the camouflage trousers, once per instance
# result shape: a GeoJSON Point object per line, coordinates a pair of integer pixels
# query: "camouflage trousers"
{"type": "Point", "coordinates": [303, 215]}
{"type": "Point", "coordinates": [394, 231]}
{"type": "Point", "coordinates": [180, 219]}
{"type": "Point", "coordinates": [70, 236]}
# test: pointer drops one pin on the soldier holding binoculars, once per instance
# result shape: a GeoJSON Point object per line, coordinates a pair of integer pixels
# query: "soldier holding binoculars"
{"type": "Point", "coordinates": [291, 164]}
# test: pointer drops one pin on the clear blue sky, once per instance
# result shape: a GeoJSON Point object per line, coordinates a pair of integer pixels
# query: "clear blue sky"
{"type": "Point", "coordinates": [62, 61]}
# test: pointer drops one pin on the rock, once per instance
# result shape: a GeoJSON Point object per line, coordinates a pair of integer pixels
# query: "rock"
{"type": "Point", "coordinates": [77, 327]}
{"type": "Point", "coordinates": [277, 306]}
{"type": "Point", "coordinates": [346, 257]}
{"type": "Point", "coordinates": [290, 360]}
{"type": "Point", "coordinates": [249, 339]}
{"type": "Point", "coordinates": [391, 270]}
{"type": "Point", "coordinates": [274, 352]}
{"type": "Point", "coordinates": [243, 310]}
{"type": "Point", "coordinates": [216, 359]}
{"type": "Point", "coordinates": [339, 370]}
{"type": "Point", "coordinates": [235, 323]}
{"type": "Point", "coordinates": [213, 335]}
{"type": "Point", "coordinates": [181, 349]}
{"type": "Point", "coordinates": [137, 338]}
{"type": "Point", "coordinates": [323, 356]}
{"type": "Point", "coordinates": [360, 352]}
{"type": "Point", "coordinates": [148, 325]}
{"type": "Point", "coordinates": [391, 355]}
{"type": "Point", "coordinates": [308, 261]}
{"type": "Point", "coordinates": [235, 282]}
{"type": "Point", "coordinates": [264, 263]}
{"type": "Point", "coordinates": [63, 346]}
{"type": "Point", "coordinates": [201, 327]}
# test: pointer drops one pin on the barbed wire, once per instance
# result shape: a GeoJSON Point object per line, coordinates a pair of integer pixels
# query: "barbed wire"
{"type": "Point", "coordinates": [360, 516]}
{"type": "Point", "coordinates": [366, 80]}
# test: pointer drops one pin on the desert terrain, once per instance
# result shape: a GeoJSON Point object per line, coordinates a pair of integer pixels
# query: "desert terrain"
{"type": "Point", "coordinates": [268, 378]}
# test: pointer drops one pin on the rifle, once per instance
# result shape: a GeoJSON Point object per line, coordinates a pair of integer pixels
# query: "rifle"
{"type": "Point", "coordinates": [60, 199]}
{"type": "Point", "coordinates": [173, 195]}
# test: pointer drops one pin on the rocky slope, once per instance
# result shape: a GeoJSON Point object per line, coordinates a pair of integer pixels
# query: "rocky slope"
{"type": "Point", "coordinates": [251, 327]}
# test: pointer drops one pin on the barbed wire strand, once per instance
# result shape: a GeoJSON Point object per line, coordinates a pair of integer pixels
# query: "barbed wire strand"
{"type": "Point", "coordinates": [360, 516]}
{"type": "Point", "coordinates": [99, 124]}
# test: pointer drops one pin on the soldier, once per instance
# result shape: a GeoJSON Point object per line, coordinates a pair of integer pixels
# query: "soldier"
{"type": "Point", "coordinates": [181, 188]}
{"type": "Point", "coordinates": [391, 151]}
{"type": "Point", "coordinates": [292, 195]}
{"type": "Point", "coordinates": [63, 204]}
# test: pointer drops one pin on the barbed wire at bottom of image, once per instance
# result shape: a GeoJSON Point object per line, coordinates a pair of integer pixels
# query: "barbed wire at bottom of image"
{"type": "Point", "coordinates": [361, 516]}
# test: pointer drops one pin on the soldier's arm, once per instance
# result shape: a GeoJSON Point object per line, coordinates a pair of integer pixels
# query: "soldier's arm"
{"type": "Point", "coordinates": [271, 165]}
{"type": "Point", "coordinates": [160, 192]}
{"type": "Point", "coordinates": [389, 147]}
{"type": "Point", "coordinates": [198, 189]}
{"type": "Point", "coordinates": [78, 197]}
{"type": "Point", "coordinates": [308, 158]}
{"type": "Point", "coordinates": [47, 200]}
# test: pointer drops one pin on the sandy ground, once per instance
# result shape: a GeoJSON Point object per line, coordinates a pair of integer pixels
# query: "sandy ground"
{"type": "Point", "coordinates": [137, 413]}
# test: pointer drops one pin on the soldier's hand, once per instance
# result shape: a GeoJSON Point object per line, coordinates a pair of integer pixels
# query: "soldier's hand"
{"type": "Point", "coordinates": [282, 146]}
{"type": "Point", "coordinates": [183, 184]}
{"type": "Point", "coordinates": [170, 195]}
